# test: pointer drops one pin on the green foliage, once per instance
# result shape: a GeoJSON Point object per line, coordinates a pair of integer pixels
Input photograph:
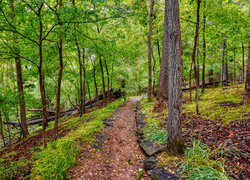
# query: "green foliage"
{"type": "Point", "coordinates": [198, 165]}
{"type": "Point", "coordinates": [54, 162]}
{"type": "Point", "coordinates": [140, 172]}
{"type": "Point", "coordinates": [210, 104]}
{"type": "Point", "coordinates": [157, 135]}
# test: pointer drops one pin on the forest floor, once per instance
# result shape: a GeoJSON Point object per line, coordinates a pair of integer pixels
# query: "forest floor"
{"type": "Point", "coordinates": [120, 157]}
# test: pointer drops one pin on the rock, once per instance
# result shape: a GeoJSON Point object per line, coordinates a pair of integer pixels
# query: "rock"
{"type": "Point", "coordinates": [99, 141]}
{"type": "Point", "coordinates": [108, 122]}
{"type": "Point", "coordinates": [149, 172]}
{"type": "Point", "coordinates": [159, 173]}
{"type": "Point", "coordinates": [149, 148]}
{"type": "Point", "coordinates": [150, 163]}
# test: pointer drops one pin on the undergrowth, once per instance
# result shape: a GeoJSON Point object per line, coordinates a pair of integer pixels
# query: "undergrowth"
{"type": "Point", "coordinates": [60, 155]}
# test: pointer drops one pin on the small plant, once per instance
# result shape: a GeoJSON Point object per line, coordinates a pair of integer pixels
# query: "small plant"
{"type": "Point", "coordinates": [157, 135]}
{"type": "Point", "coordinates": [140, 172]}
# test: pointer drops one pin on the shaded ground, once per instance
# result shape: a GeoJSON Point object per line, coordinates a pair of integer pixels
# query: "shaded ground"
{"type": "Point", "coordinates": [120, 158]}
{"type": "Point", "coordinates": [233, 138]}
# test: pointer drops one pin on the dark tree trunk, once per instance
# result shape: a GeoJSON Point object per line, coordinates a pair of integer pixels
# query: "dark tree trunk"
{"type": "Point", "coordinates": [175, 143]}
{"type": "Point", "coordinates": [204, 49]}
{"type": "Point", "coordinates": [198, 63]}
{"type": "Point", "coordinates": [41, 80]}
{"type": "Point", "coordinates": [96, 87]}
{"type": "Point", "coordinates": [224, 68]}
{"type": "Point", "coordinates": [107, 71]}
{"type": "Point", "coordinates": [234, 67]}
{"type": "Point", "coordinates": [19, 79]}
{"type": "Point", "coordinates": [80, 72]}
{"type": "Point", "coordinates": [154, 62]}
{"type": "Point", "coordinates": [89, 94]}
{"type": "Point", "coordinates": [190, 81]}
{"type": "Point", "coordinates": [162, 92]}
{"type": "Point", "coordinates": [1, 130]}
{"type": "Point", "coordinates": [246, 97]}
{"type": "Point", "coordinates": [194, 53]}
{"type": "Point", "coordinates": [243, 63]}
{"type": "Point", "coordinates": [58, 93]}
{"type": "Point", "coordinates": [103, 80]}
{"type": "Point", "coordinates": [111, 77]}
{"type": "Point", "coordinates": [150, 50]}
{"type": "Point", "coordinates": [84, 80]}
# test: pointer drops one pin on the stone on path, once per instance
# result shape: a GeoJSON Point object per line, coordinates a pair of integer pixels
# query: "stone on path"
{"type": "Point", "coordinates": [159, 173]}
{"type": "Point", "coordinates": [150, 163]}
{"type": "Point", "coordinates": [150, 149]}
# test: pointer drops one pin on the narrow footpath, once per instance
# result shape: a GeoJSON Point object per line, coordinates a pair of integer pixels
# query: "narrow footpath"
{"type": "Point", "coordinates": [119, 157]}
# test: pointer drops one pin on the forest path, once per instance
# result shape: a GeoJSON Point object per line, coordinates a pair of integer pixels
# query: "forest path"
{"type": "Point", "coordinates": [120, 157]}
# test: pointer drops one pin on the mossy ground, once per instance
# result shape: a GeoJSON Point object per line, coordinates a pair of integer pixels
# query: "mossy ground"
{"type": "Point", "coordinates": [54, 162]}
{"type": "Point", "coordinates": [219, 108]}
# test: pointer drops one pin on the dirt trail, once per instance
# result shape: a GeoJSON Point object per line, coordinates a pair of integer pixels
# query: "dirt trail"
{"type": "Point", "coordinates": [120, 158]}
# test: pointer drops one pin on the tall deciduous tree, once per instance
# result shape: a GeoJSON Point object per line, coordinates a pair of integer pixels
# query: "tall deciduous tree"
{"type": "Point", "coordinates": [162, 92]}
{"type": "Point", "coordinates": [246, 97]}
{"type": "Point", "coordinates": [175, 143]}
{"type": "Point", "coordinates": [19, 79]}
{"type": "Point", "coordinates": [150, 50]}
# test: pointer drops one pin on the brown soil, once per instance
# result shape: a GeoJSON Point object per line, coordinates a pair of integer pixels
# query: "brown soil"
{"type": "Point", "coordinates": [121, 156]}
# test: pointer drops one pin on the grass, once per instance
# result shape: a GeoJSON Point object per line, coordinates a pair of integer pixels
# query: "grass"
{"type": "Point", "coordinates": [210, 108]}
{"type": "Point", "coordinates": [60, 155]}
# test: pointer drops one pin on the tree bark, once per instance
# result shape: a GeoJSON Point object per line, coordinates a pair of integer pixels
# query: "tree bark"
{"type": "Point", "coordinates": [59, 81]}
{"type": "Point", "coordinates": [194, 53]}
{"type": "Point", "coordinates": [150, 51]}
{"type": "Point", "coordinates": [103, 80]}
{"type": "Point", "coordinates": [84, 80]}
{"type": "Point", "coordinates": [80, 72]}
{"type": "Point", "coordinates": [107, 71]}
{"type": "Point", "coordinates": [175, 143]}
{"type": "Point", "coordinates": [204, 49]}
{"type": "Point", "coordinates": [246, 96]}
{"type": "Point", "coordinates": [1, 130]}
{"type": "Point", "coordinates": [24, 127]}
{"type": "Point", "coordinates": [162, 93]}
{"type": "Point", "coordinates": [89, 94]}
{"type": "Point", "coordinates": [243, 63]}
{"type": "Point", "coordinates": [96, 87]}
{"type": "Point", "coordinates": [224, 68]}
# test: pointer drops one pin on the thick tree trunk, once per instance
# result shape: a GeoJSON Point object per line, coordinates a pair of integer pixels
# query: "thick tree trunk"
{"type": "Point", "coordinates": [59, 80]}
{"type": "Point", "coordinates": [194, 53]}
{"type": "Point", "coordinates": [103, 80]}
{"type": "Point", "coordinates": [175, 143]}
{"type": "Point", "coordinates": [246, 97]}
{"type": "Point", "coordinates": [150, 50]}
{"type": "Point", "coordinates": [162, 93]}
{"type": "Point", "coordinates": [19, 80]}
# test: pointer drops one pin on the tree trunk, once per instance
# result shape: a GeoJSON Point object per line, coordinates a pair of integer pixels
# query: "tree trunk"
{"type": "Point", "coordinates": [1, 130]}
{"type": "Point", "coordinates": [84, 80]}
{"type": "Point", "coordinates": [246, 97]}
{"type": "Point", "coordinates": [224, 68]}
{"type": "Point", "coordinates": [19, 80]}
{"type": "Point", "coordinates": [204, 49]}
{"type": "Point", "coordinates": [107, 71]}
{"type": "Point", "coordinates": [80, 70]}
{"type": "Point", "coordinates": [175, 143]}
{"type": "Point", "coordinates": [190, 81]}
{"type": "Point", "coordinates": [194, 53]}
{"type": "Point", "coordinates": [103, 80]}
{"type": "Point", "coordinates": [89, 94]}
{"type": "Point", "coordinates": [234, 79]}
{"type": "Point", "coordinates": [41, 82]}
{"type": "Point", "coordinates": [243, 63]}
{"type": "Point", "coordinates": [96, 87]}
{"type": "Point", "coordinates": [59, 81]}
{"type": "Point", "coordinates": [162, 92]}
{"type": "Point", "coordinates": [198, 63]}
{"type": "Point", "coordinates": [150, 51]}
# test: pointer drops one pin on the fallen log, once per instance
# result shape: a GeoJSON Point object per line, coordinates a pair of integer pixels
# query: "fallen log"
{"type": "Point", "coordinates": [68, 112]}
